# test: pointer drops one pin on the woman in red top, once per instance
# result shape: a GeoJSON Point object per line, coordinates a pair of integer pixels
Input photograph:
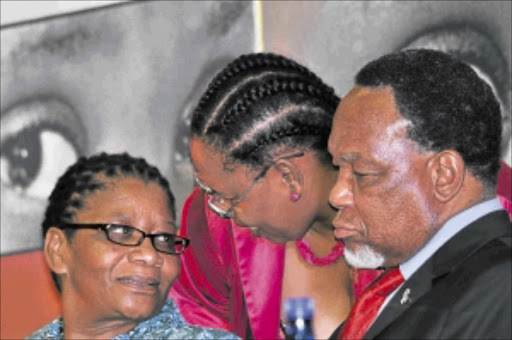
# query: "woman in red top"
{"type": "Point", "coordinates": [259, 151]}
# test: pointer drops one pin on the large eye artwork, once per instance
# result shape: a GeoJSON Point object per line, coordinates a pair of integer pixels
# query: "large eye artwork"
{"type": "Point", "coordinates": [40, 138]}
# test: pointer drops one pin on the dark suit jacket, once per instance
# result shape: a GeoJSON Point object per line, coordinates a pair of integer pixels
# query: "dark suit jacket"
{"type": "Point", "coordinates": [462, 292]}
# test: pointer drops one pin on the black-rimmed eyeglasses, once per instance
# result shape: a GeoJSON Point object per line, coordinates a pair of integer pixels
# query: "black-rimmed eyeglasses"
{"type": "Point", "coordinates": [220, 205]}
{"type": "Point", "coordinates": [126, 235]}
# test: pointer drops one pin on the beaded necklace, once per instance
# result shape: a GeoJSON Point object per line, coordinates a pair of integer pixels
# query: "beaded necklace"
{"type": "Point", "coordinates": [309, 256]}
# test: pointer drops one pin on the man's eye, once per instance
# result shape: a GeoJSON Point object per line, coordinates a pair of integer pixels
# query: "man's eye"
{"type": "Point", "coordinates": [39, 141]}
{"type": "Point", "coordinates": [365, 179]}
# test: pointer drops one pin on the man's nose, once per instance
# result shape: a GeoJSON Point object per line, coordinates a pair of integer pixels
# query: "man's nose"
{"type": "Point", "coordinates": [342, 194]}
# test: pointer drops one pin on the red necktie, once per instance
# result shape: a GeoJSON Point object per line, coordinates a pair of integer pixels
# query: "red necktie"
{"type": "Point", "coordinates": [367, 305]}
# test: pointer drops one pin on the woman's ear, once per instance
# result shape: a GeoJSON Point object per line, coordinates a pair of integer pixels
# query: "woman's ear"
{"type": "Point", "coordinates": [447, 171]}
{"type": "Point", "coordinates": [56, 250]}
{"type": "Point", "coordinates": [292, 177]}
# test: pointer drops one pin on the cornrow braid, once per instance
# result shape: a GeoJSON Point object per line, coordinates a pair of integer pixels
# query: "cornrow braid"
{"type": "Point", "coordinates": [259, 149]}
{"type": "Point", "coordinates": [255, 62]}
{"type": "Point", "coordinates": [261, 101]}
{"type": "Point", "coordinates": [271, 89]}
{"type": "Point", "coordinates": [90, 174]}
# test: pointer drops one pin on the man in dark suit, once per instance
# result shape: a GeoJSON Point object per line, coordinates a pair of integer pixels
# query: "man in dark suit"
{"type": "Point", "coordinates": [417, 143]}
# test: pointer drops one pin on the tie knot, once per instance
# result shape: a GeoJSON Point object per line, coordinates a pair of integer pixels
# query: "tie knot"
{"type": "Point", "coordinates": [387, 282]}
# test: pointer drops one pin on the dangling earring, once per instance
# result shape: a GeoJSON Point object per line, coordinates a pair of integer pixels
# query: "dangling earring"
{"type": "Point", "coordinates": [294, 196]}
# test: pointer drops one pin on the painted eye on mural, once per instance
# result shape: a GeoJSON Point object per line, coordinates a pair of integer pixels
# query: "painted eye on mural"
{"type": "Point", "coordinates": [40, 138]}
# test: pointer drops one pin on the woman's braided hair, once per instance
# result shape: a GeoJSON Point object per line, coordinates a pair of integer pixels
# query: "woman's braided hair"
{"type": "Point", "coordinates": [263, 101]}
{"type": "Point", "coordinates": [90, 174]}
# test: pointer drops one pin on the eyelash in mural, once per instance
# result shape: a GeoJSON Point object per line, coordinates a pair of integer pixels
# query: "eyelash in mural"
{"type": "Point", "coordinates": [40, 138]}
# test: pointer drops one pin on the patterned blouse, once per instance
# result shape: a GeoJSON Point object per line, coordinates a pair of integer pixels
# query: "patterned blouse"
{"type": "Point", "coordinates": [169, 324]}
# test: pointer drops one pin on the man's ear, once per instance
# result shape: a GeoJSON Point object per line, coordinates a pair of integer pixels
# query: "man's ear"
{"type": "Point", "coordinates": [447, 171]}
{"type": "Point", "coordinates": [292, 177]}
{"type": "Point", "coordinates": [56, 250]}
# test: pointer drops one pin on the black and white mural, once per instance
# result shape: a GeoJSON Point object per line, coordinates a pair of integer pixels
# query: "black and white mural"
{"type": "Point", "coordinates": [122, 78]}
{"type": "Point", "coordinates": [126, 77]}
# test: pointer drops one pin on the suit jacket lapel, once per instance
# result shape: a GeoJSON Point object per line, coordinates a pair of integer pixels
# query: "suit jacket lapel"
{"type": "Point", "coordinates": [450, 255]}
{"type": "Point", "coordinates": [413, 289]}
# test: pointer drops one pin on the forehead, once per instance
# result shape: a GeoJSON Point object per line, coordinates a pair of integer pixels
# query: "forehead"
{"type": "Point", "coordinates": [366, 117]}
{"type": "Point", "coordinates": [209, 167]}
{"type": "Point", "coordinates": [128, 199]}
{"type": "Point", "coordinates": [204, 157]}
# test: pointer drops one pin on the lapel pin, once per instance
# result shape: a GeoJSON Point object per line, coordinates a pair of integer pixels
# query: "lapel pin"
{"type": "Point", "coordinates": [405, 296]}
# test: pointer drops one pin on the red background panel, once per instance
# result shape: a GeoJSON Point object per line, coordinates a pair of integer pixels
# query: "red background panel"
{"type": "Point", "coordinates": [29, 298]}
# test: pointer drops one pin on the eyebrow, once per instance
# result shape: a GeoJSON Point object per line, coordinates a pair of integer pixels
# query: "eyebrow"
{"type": "Point", "coordinates": [68, 38]}
{"type": "Point", "coordinates": [350, 157]}
{"type": "Point", "coordinates": [65, 44]}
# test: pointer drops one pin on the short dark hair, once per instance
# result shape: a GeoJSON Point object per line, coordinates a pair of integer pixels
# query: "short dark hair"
{"type": "Point", "coordinates": [449, 105]}
{"type": "Point", "coordinates": [263, 101]}
{"type": "Point", "coordinates": [90, 174]}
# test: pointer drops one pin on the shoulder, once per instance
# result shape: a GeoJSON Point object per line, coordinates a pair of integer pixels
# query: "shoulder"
{"type": "Point", "coordinates": [483, 272]}
{"type": "Point", "coordinates": [169, 324]}
{"type": "Point", "coordinates": [480, 293]}
{"type": "Point", "coordinates": [488, 271]}
{"type": "Point", "coordinates": [478, 255]}
{"type": "Point", "coordinates": [198, 219]}
{"type": "Point", "coordinates": [190, 332]}
{"type": "Point", "coordinates": [51, 331]}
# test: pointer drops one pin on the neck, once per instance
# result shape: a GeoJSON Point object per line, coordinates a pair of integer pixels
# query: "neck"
{"type": "Point", "coordinates": [321, 178]}
{"type": "Point", "coordinates": [80, 323]}
{"type": "Point", "coordinates": [471, 194]}
{"type": "Point", "coordinates": [95, 330]}
{"type": "Point", "coordinates": [326, 177]}
{"type": "Point", "coordinates": [320, 235]}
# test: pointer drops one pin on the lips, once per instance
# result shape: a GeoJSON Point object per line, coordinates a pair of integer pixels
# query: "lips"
{"type": "Point", "coordinates": [138, 282]}
{"type": "Point", "coordinates": [343, 234]}
{"type": "Point", "coordinates": [342, 229]}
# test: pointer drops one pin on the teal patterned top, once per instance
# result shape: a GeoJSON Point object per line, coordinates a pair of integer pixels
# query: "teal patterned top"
{"type": "Point", "coordinates": [169, 324]}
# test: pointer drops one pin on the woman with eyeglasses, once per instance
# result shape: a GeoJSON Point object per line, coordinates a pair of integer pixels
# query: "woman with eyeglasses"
{"type": "Point", "coordinates": [263, 173]}
{"type": "Point", "coordinates": [110, 240]}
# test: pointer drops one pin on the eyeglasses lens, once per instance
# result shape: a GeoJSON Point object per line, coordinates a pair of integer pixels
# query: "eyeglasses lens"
{"type": "Point", "coordinates": [169, 244]}
{"type": "Point", "coordinates": [129, 236]}
{"type": "Point", "coordinates": [219, 210]}
{"type": "Point", "coordinates": [124, 234]}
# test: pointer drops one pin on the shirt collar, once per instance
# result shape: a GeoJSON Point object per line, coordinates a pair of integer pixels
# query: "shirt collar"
{"type": "Point", "coordinates": [447, 231]}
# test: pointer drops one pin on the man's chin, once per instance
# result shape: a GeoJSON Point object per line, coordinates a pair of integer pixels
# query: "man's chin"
{"type": "Point", "coordinates": [363, 256]}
